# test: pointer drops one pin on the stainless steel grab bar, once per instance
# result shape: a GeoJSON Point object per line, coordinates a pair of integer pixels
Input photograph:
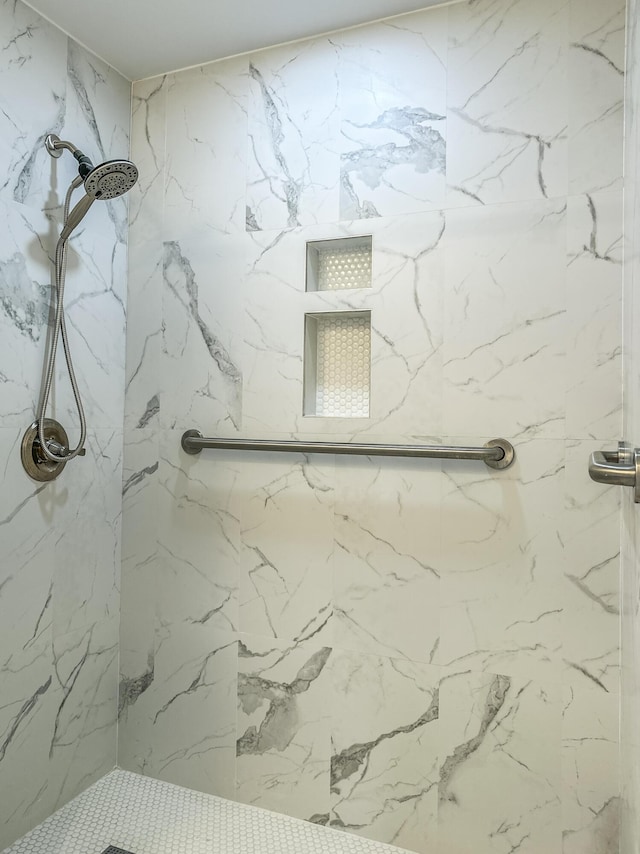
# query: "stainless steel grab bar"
{"type": "Point", "coordinates": [497, 454]}
{"type": "Point", "coordinates": [617, 468]}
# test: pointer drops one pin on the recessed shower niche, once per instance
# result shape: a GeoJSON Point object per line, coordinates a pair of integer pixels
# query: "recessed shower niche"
{"type": "Point", "coordinates": [341, 264]}
{"type": "Point", "coordinates": [337, 364]}
{"type": "Point", "coordinates": [337, 351]}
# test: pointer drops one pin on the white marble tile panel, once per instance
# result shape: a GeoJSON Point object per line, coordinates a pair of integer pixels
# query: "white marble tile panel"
{"type": "Point", "coordinates": [596, 89]}
{"type": "Point", "coordinates": [140, 534]}
{"type": "Point", "coordinates": [31, 521]}
{"type": "Point", "coordinates": [590, 532]}
{"type": "Point", "coordinates": [32, 102]}
{"type": "Point", "coordinates": [143, 372]}
{"type": "Point", "coordinates": [594, 316]}
{"type": "Point", "coordinates": [387, 559]}
{"type": "Point", "coordinates": [25, 294]}
{"type": "Point", "coordinates": [385, 742]}
{"type": "Point", "coordinates": [273, 342]}
{"type": "Point", "coordinates": [293, 156]}
{"type": "Point", "coordinates": [206, 139]}
{"type": "Point", "coordinates": [590, 770]}
{"type": "Point", "coordinates": [83, 733]}
{"type": "Point", "coordinates": [140, 572]}
{"type": "Point", "coordinates": [182, 729]}
{"type": "Point", "coordinates": [507, 101]}
{"type": "Point", "coordinates": [629, 681]}
{"type": "Point", "coordinates": [502, 564]}
{"type": "Point", "coordinates": [148, 146]}
{"type": "Point", "coordinates": [29, 528]}
{"type": "Point", "coordinates": [202, 312]}
{"type": "Point", "coordinates": [86, 587]}
{"type": "Point", "coordinates": [406, 306]}
{"type": "Point", "coordinates": [285, 505]}
{"type": "Point", "coordinates": [504, 350]}
{"type": "Point", "coordinates": [393, 116]}
{"type": "Point", "coordinates": [630, 580]}
{"type": "Point", "coordinates": [57, 726]}
{"type": "Point", "coordinates": [144, 298]}
{"type": "Point", "coordinates": [283, 730]}
{"type": "Point", "coordinates": [500, 776]}
{"type": "Point", "coordinates": [199, 539]}
{"type": "Point", "coordinates": [30, 700]}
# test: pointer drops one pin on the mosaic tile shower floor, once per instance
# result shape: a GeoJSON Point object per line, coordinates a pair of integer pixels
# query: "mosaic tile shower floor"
{"type": "Point", "coordinates": [146, 816]}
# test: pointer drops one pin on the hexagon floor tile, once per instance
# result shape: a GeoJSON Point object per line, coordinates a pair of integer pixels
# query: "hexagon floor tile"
{"type": "Point", "coordinates": [146, 816]}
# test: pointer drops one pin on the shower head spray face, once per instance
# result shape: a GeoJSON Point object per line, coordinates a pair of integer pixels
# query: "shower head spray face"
{"type": "Point", "coordinates": [111, 179]}
{"type": "Point", "coordinates": [106, 181]}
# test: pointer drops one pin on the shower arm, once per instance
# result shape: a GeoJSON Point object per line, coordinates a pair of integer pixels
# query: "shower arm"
{"type": "Point", "coordinates": [56, 146]}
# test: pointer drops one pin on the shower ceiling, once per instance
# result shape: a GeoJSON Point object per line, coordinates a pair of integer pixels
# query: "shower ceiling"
{"type": "Point", "coordinates": [141, 38]}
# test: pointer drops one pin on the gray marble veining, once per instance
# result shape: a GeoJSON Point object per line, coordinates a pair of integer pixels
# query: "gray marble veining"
{"type": "Point", "coordinates": [186, 290]}
{"type": "Point", "coordinates": [493, 703]}
{"type": "Point", "coordinates": [278, 727]}
{"type": "Point", "coordinates": [424, 150]}
{"type": "Point", "coordinates": [350, 760]}
{"type": "Point", "coordinates": [130, 689]}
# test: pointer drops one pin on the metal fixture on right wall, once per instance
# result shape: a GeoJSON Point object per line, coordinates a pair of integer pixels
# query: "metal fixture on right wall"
{"type": "Point", "coordinates": [617, 468]}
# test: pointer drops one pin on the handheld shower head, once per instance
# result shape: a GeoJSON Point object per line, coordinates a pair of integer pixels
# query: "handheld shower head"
{"type": "Point", "coordinates": [106, 181]}
{"type": "Point", "coordinates": [111, 179]}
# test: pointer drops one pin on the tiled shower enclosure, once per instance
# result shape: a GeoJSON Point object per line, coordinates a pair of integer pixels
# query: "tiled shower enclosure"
{"type": "Point", "coordinates": [422, 653]}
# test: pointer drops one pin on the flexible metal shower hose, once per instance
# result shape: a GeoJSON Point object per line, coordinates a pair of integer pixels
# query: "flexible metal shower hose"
{"type": "Point", "coordinates": [60, 330]}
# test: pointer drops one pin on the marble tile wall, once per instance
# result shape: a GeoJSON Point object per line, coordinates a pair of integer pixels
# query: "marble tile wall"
{"type": "Point", "coordinates": [423, 653]}
{"type": "Point", "coordinates": [630, 593]}
{"type": "Point", "coordinates": [59, 542]}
